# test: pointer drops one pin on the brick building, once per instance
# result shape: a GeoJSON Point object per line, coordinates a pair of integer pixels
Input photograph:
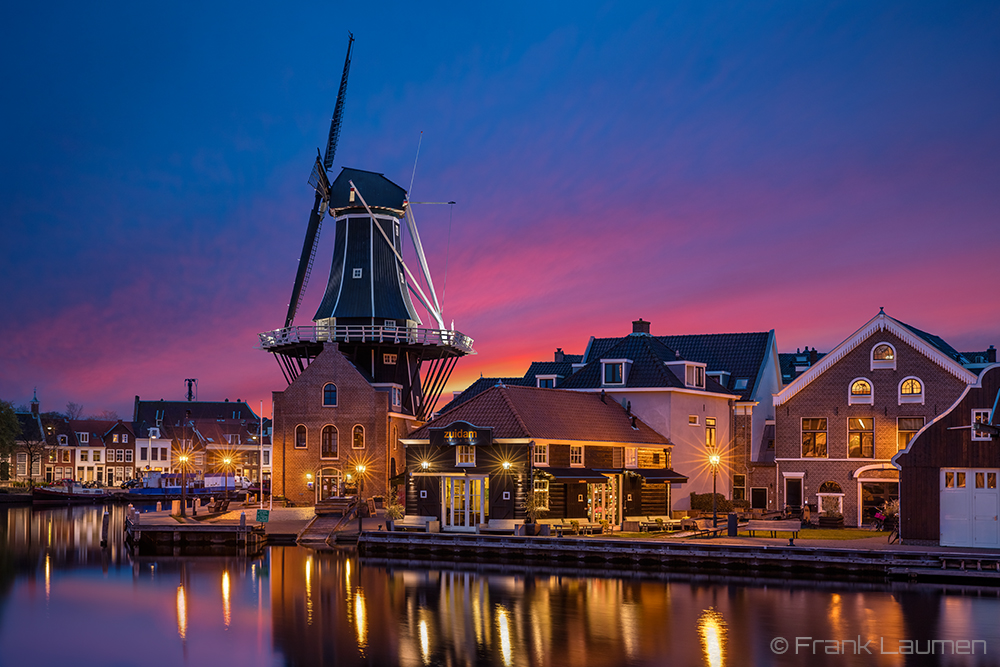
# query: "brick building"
{"type": "Point", "coordinates": [839, 422]}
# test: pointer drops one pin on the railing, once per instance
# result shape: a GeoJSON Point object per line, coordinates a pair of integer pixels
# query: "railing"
{"type": "Point", "coordinates": [366, 334]}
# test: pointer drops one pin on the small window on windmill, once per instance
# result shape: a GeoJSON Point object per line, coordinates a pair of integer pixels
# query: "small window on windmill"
{"type": "Point", "coordinates": [357, 273]}
{"type": "Point", "coordinates": [390, 324]}
{"type": "Point", "coordinates": [389, 359]}
{"type": "Point", "coordinates": [395, 229]}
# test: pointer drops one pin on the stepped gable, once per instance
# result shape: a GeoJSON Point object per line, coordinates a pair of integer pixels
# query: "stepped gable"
{"type": "Point", "coordinates": [739, 354]}
{"type": "Point", "coordinates": [648, 356]}
{"type": "Point", "coordinates": [551, 414]}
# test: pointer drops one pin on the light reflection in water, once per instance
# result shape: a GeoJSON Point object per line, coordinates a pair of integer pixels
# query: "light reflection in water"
{"type": "Point", "coordinates": [425, 643]}
{"type": "Point", "coordinates": [227, 614]}
{"type": "Point", "coordinates": [182, 621]}
{"type": "Point", "coordinates": [309, 598]}
{"type": "Point", "coordinates": [48, 575]}
{"type": "Point", "coordinates": [712, 628]}
{"type": "Point", "coordinates": [360, 621]}
{"type": "Point", "coordinates": [504, 636]}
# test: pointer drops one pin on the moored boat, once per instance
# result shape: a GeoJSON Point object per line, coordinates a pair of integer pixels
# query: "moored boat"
{"type": "Point", "coordinates": [67, 494]}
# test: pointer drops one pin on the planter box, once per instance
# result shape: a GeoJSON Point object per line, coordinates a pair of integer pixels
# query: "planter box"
{"type": "Point", "coordinates": [831, 522]}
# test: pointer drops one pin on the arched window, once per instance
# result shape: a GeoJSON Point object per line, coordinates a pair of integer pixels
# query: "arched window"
{"type": "Point", "coordinates": [300, 437]}
{"type": "Point", "coordinates": [861, 392]}
{"type": "Point", "coordinates": [395, 438]}
{"type": "Point", "coordinates": [911, 390]}
{"type": "Point", "coordinates": [883, 356]}
{"type": "Point", "coordinates": [830, 487]}
{"type": "Point", "coordinates": [330, 395]}
{"type": "Point", "coordinates": [328, 449]}
{"type": "Point", "coordinates": [359, 437]}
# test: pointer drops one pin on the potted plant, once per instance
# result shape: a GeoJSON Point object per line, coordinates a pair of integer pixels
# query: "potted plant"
{"type": "Point", "coordinates": [605, 526]}
{"type": "Point", "coordinates": [575, 525]}
{"type": "Point", "coordinates": [394, 512]}
{"type": "Point", "coordinates": [534, 506]}
{"type": "Point", "coordinates": [659, 524]}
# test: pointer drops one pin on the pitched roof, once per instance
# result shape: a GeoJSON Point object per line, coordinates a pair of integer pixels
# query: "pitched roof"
{"type": "Point", "coordinates": [478, 387]}
{"type": "Point", "coordinates": [30, 428]}
{"type": "Point", "coordinates": [649, 357]}
{"type": "Point", "coordinates": [938, 343]}
{"type": "Point", "coordinates": [789, 361]}
{"type": "Point", "coordinates": [97, 428]}
{"type": "Point", "coordinates": [740, 354]}
{"type": "Point", "coordinates": [550, 414]}
{"type": "Point", "coordinates": [881, 322]}
{"type": "Point", "coordinates": [173, 412]}
{"type": "Point", "coordinates": [563, 368]}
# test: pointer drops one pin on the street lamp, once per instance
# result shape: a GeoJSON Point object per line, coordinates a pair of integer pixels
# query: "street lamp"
{"type": "Point", "coordinates": [714, 460]}
{"type": "Point", "coordinates": [225, 475]}
{"type": "Point", "coordinates": [360, 469]}
{"type": "Point", "coordinates": [183, 459]}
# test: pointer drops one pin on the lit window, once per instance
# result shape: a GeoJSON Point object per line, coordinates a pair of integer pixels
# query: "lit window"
{"type": "Point", "coordinates": [300, 437]}
{"type": "Point", "coordinates": [97, 456]}
{"type": "Point", "coordinates": [813, 437]}
{"type": "Point", "coordinates": [330, 395]}
{"type": "Point", "coordinates": [541, 455]}
{"type": "Point", "coordinates": [861, 388]}
{"type": "Point", "coordinates": [906, 428]}
{"type": "Point", "coordinates": [861, 392]}
{"type": "Point", "coordinates": [83, 454]}
{"type": "Point", "coordinates": [359, 437]}
{"type": "Point", "coordinates": [465, 455]}
{"type": "Point", "coordinates": [114, 438]}
{"type": "Point", "coordinates": [631, 457]}
{"type": "Point", "coordinates": [710, 432]}
{"type": "Point", "coordinates": [980, 417]}
{"type": "Point", "coordinates": [389, 359]}
{"type": "Point", "coordinates": [124, 437]}
{"type": "Point", "coordinates": [911, 390]}
{"type": "Point", "coordinates": [692, 420]}
{"type": "Point", "coordinates": [861, 438]}
{"type": "Point", "coordinates": [912, 387]}
{"type": "Point", "coordinates": [328, 442]}
{"type": "Point", "coordinates": [541, 487]}
{"type": "Point", "coordinates": [576, 455]}
{"type": "Point", "coordinates": [883, 356]}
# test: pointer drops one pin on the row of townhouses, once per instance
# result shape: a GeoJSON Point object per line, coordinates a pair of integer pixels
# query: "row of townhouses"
{"type": "Point", "coordinates": [163, 436]}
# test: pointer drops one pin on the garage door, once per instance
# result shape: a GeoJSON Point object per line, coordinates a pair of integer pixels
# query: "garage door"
{"type": "Point", "coordinates": [970, 505]}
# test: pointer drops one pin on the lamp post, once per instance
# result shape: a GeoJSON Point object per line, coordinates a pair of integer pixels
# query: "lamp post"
{"type": "Point", "coordinates": [225, 475]}
{"type": "Point", "coordinates": [714, 460]}
{"type": "Point", "coordinates": [360, 469]}
{"type": "Point", "coordinates": [183, 461]}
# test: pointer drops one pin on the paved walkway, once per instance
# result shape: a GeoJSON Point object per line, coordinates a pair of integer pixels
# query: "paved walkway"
{"type": "Point", "coordinates": [875, 543]}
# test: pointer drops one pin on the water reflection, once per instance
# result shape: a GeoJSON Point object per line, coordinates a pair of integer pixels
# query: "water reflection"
{"type": "Point", "coordinates": [293, 606]}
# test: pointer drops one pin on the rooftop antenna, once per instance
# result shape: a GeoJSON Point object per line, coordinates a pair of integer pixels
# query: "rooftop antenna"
{"type": "Point", "coordinates": [192, 389]}
{"type": "Point", "coordinates": [321, 183]}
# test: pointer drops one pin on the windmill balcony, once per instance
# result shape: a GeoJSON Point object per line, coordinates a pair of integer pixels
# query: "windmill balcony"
{"type": "Point", "coordinates": [271, 340]}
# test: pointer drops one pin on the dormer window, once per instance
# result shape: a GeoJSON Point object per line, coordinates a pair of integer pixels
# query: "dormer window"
{"type": "Point", "coordinates": [883, 356]}
{"type": "Point", "coordinates": [63, 440]}
{"type": "Point", "coordinates": [547, 381]}
{"type": "Point", "coordinates": [615, 371]}
{"type": "Point", "coordinates": [860, 393]}
{"type": "Point", "coordinates": [694, 376]}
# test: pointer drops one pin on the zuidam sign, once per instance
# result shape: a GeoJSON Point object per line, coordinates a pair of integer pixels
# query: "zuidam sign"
{"type": "Point", "coordinates": [461, 433]}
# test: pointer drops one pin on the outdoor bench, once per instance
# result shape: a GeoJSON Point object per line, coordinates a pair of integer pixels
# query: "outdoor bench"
{"type": "Point", "coordinates": [784, 525]}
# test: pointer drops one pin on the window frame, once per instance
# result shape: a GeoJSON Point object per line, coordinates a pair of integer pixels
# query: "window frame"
{"type": "Point", "coordinates": [84, 438]}
{"type": "Point", "coordinates": [305, 437]}
{"type": "Point", "coordinates": [826, 437]}
{"type": "Point", "coordinates": [540, 455]}
{"type": "Point", "coordinates": [326, 392]}
{"type": "Point", "coordinates": [336, 442]}
{"type": "Point", "coordinates": [611, 364]}
{"type": "Point", "coordinates": [861, 444]}
{"type": "Point", "coordinates": [911, 398]}
{"type": "Point", "coordinates": [541, 487]}
{"type": "Point", "coordinates": [742, 488]}
{"type": "Point", "coordinates": [573, 449]}
{"type": "Point", "coordinates": [465, 456]}
{"type": "Point", "coordinates": [711, 434]}
{"type": "Point", "coordinates": [693, 420]}
{"type": "Point", "coordinates": [861, 399]}
{"type": "Point", "coordinates": [354, 437]}
{"type": "Point", "coordinates": [128, 456]}
{"type": "Point", "coordinates": [631, 457]}
{"type": "Point", "coordinates": [986, 413]}
{"type": "Point", "coordinates": [883, 363]}
{"type": "Point", "coordinates": [389, 358]}
{"type": "Point", "coordinates": [899, 431]}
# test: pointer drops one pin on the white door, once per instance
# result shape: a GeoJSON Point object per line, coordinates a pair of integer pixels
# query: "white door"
{"type": "Point", "coordinates": [985, 503]}
{"type": "Point", "coordinates": [970, 507]}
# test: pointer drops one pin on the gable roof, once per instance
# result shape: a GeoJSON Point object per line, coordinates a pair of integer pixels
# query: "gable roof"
{"type": "Point", "coordinates": [551, 414]}
{"type": "Point", "coordinates": [788, 361]}
{"type": "Point", "coordinates": [145, 413]}
{"type": "Point", "coordinates": [880, 322]}
{"type": "Point", "coordinates": [742, 355]}
{"type": "Point", "coordinates": [478, 387]}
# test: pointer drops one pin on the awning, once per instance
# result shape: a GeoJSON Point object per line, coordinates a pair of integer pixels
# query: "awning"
{"type": "Point", "coordinates": [574, 475]}
{"type": "Point", "coordinates": [660, 475]}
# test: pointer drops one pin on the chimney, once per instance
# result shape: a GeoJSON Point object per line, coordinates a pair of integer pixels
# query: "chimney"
{"type": "Point", "coordinates": [991, 355]}
{"type": "Point", "coordinates": [812, 356]}
{"type": "Point", "coordinates": [560, 356]}
{"type": "Point", "coordinates": [638, 326]}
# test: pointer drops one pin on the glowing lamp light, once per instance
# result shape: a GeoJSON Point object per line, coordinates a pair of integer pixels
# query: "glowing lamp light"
{"type": "Point", "coordinates": [506, 465]}
{"type": "Point", "coordinates": [425, 464]}
{"type": "Point", "coordinates": [714, 459]}
{"type": "Point", "coordinates": [360, 468]}
{"type": "Point", "coordinates": [309, 475]}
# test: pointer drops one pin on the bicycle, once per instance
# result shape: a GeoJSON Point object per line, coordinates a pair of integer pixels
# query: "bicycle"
{"type": "Point", "coordinates": [878, 523]}
{"type": "Point", "coordinates": [894, 533]}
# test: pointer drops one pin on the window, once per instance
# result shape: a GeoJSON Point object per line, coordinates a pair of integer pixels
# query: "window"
{"type": "Point", "coordinates": [83, 454]}
{"type": "Point", "coordinates": [328, 447]}
{"type": "Point", "coordinates": [861, 438]}
{"type": "Point", "coordinates": [97, 456]}
{"type": "Point", "coordinates": [739, 487]}
{"type": "Point", "coordinates": [300, 437]}
{"type": "Point", "coordinates": [22, 464]}
{"type": "Point", "coordinates": [980, 417]}
{"type": "Point", "coordinates": [63, 440]}
{"type": "Point", "coordinates": [114, 438]}
{"type": "Point", "coordinates": [694, 376]}
{"type": "Point", "coordinates": [359, 437]}
{"type": "Point", "coordinates": [710, 432]}
{"type": "Point", "coordinates": [692, 420]}
{"type": "Point", "coordinates": [813, 437]}
{"type": "Point", "coordinates": [163, 453]}
{"type": "Point", "coordinates": [861, 392]}
{"type": "Point", "coordinates": [84, 438]}
{"type": "Point", "coordinates": [631, 457]}
{"type": "Point", "coordinates": [906, 428]}
{"type": "Point", "coordinates": [389, 359]}
{"type": "Point", "coordinates": [395, 438]}
{"type": "Point", "coordinates": [613, 373]}
{"type": "Point", "coordinates": [541, 455]}
{"type": "Point", "coordinates": [66, 456]}
{"type": "Point", "coordinates": [330, 395]}
{"type": "Point", "coordinates": [954, 480]}
{"type": "Point", "coordinates": [576, 455]}
{"type": "Point", "coordinates": [143, 451]}
{"type": "Point", "coordinates": [152, 453]}
{"type": "Point", "coordinates": [546, 383]}
{"type": "Point", "coordinates": [199, 459]}
{"type": "Point", "coordinates": [357, 273]}
{"type": "Point", "coordinates": [128, 456]}
{"type": "Point", "coordinates": [120, 455]}
{"type": "Point", "coordinates": [124, 437]}
{"type": "Point", "coordinates": [741, 383]}
{"type": "Point", "coordinates": [911, 390]}
{"type": "Point", "coordinates": [397, 396]}
{"type": "Point", "coordinates": [883, 356]}
{"type": "Point", "coordinates": [267, 458]}
{"type": "Point", "coordinates": [541, 488]}
{"type": "Point", "coordinates": [465, 455]}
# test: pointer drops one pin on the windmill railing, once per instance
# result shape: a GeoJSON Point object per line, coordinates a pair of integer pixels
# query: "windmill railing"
{"type": "Point", "coordinates": [366, 334]}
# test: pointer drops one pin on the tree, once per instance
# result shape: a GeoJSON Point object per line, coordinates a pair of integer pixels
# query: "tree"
{"type": "Point", "coordinates": [10, 430]}
{"type": "Point", "coordinates": [106, 415]}
{"type": "Point", "coordinates": [74, 410]}
{"type": "Point", "coordinates": [35, 446]}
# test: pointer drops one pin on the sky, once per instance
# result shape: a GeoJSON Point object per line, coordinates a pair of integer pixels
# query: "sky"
{"type": "Point", "coordinates": [708, 167]}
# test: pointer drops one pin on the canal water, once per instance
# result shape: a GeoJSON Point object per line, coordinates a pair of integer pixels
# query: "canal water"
{"type": "Point", "coordinates": [65, 600]}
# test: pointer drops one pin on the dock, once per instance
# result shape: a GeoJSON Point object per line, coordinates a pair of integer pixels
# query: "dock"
{"type": "Point", "coordinates": [769, 560]}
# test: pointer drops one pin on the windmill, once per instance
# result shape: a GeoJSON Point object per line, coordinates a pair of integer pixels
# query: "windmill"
{"type": "Point", "coordinates": [366, 308]}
